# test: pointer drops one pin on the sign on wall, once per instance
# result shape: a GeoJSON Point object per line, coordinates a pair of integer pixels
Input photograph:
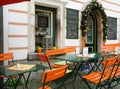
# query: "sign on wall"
{"type": "Point", "coordinates": [72, 23]}
{"type": "Point", "coordinates": [112, 28]}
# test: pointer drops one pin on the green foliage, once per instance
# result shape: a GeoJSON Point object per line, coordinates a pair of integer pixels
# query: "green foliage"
{"type": "Point", "coordinates": [94, 6]}
{"type": "Point", "coordinates": [11, 82]}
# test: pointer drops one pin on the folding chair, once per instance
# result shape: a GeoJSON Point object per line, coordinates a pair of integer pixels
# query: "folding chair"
{"type": "Point", "coordinates": [44, 58]}
{"type": "Point", "coordinates": [7, 57]}
{"type": "Point", "coordinates": [101, 78]}
{"type": "Point", "coordinates": [110, 61]}
{"type": "Point", "coordinates": [56, 75]}
{"type": "Point", "coordinates": [71, 49]}
{"type": "Point", "coordinates": [53, 53]}
{"type": "Point", "coordinates": [115, 75]}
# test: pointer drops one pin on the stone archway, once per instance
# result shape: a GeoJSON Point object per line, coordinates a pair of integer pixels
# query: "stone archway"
{"type": "Point", "coordinates": [101, 21]}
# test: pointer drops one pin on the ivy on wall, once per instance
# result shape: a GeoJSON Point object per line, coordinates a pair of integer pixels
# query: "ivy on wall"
{"type": "Point", "coordinates": [94, 6]}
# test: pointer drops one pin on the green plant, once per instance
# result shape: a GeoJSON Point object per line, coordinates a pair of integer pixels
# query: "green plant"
{"type": "Point", "coordinates": [94, 5]}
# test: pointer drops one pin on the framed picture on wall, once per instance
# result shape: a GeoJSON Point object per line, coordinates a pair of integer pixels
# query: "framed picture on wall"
{"type": "Point", "coordinates": [42, 21]}
{"type": "Point", "coordinates": [112, 28]}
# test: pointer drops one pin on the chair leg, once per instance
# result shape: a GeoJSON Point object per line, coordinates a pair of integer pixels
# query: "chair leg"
{"type": "Point", "coordinates": [73, 86]}
{"type": "Point", "coordinates": [87, 84]}
{"type": "Point", "coordinates": [64, 86]}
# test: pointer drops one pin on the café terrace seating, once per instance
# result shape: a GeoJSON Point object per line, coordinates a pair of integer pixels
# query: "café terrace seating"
{"type": "Point", "coordinates": [79, 84]}
{"type": "Point", "coordinates": [7, 57]}
{"type": "Point", "coordinates": [45, 58]}
{"type": "Point", "coordinates": [62, 51]}
{"type": "Point", "coordinates": [105, 77]}
{"type": "Point", "coordinates": [110, 47]}
{"type": "Point", "coordinates": [56, 75]}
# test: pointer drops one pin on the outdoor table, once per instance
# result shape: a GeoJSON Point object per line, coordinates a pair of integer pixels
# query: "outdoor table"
{"type": "Point", "coordinates": [7, 71]}
{"type": "Point", "coordinates": [79, 60]}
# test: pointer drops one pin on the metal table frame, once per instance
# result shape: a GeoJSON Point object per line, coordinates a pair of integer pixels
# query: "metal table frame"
{"type": "Point", "coordinates": [5, 72]}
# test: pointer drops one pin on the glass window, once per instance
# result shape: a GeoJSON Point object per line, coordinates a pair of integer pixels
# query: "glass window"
{"type": "Point", "coordinates": [89, 35]}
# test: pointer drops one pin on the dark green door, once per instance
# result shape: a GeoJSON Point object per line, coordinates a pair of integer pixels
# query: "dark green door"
{"type": "Point", "coordinates": [91, 36]}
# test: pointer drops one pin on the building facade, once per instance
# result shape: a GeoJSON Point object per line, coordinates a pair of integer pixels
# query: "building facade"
{"type": "Point", "coordinates": [48, 23]}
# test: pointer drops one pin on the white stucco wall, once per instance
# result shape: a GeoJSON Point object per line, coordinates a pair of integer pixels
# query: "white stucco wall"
{"type": "Point", "coordinates": [16, 29]}
{"type": "Point", "coordinates": [19, 23]}
{"type": "Point", "coordinates": [111, 9]}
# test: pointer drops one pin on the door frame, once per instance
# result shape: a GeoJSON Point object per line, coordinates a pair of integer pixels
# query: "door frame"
{"type": "Point", "coordinates": [54, 21]}
{"type": "Point", "coordinates": [93, 46]}
{"type": "Point", "coordinates": [103, 23]}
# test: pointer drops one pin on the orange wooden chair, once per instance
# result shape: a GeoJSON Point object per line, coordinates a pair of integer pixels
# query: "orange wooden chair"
{"type": "Point", "coordinates": [110, 61]}
{"type": "Point", "coordinates": [107, 49]}
{"type": "Point", "coordinates": [115, 75]}
{"type": "Point", "coordinates": [56, 75]}
{"type": "Point", "coordinates": [71, 49]}
{"type": "Point", "coordinates": [102, 78]}
{"type": "Point", "coordinates": [7, 57]}
{"type": "Point", "coordinates": [43, 58]}
{"type": "Point", "coordinates": [54, 52]}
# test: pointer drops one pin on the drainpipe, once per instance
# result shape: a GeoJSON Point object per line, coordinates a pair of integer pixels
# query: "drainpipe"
{"type": "Point", "coordinates": [1, 41]}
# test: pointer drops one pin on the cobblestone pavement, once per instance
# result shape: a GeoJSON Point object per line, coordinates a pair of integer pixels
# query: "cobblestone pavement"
{"type": "Point", "coordinates": [35, 83]}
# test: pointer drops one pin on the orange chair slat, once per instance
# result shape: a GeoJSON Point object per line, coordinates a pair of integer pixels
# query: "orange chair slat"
{"type": "Point", "coordinates": [112, 45]}
{"type": "Point", "coordinates": [103, 79]}
{"type": "Point", "coordinates": [45, 87]}
{"type": "Point", "coordinates": [118, 73]}
{"type": "Point", "coordinates": [53, 74]}
{"type": "Point", "coordinates": [95, 78]}
{"type": "Point", "coordinates": [69, 49]}
{"type": "Point", "coordinates": [6, 56]}
{"type": "Point", "coordinates": [56, 66]}
{"type": "Point", "coordinates": [90, 75]}
{"type": "Point", "coordinates": [43, 57]}
{"type": "Point", "coordinates": [111, 61]}
{"type": "Point", "coordinates": [53, 77]}
{"type": "Point", "coordinates": [54, 52]}
{"type": "Point", "coordinates": [115, 72]}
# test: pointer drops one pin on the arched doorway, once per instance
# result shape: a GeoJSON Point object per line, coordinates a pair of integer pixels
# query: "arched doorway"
{"type": "Point", "coordinates": [93, 26]}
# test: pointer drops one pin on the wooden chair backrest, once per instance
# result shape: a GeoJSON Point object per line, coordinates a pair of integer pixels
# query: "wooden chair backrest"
{"type": "Point", "coordinates": [108, 49]}
{"type": "Point", "coordinates": [114, 68]}
{"type": "Point", "coordinates": [110, 61]}
{"type": "Point", "coordinates": [112, 46]}
{"type": "Point", "coordinates": [43, 57]}
{"type": "Point", "coordinates": [6, 56]}
{"type": "Point", "coordinates": [51, 75]}
{"type": "Point", "coordinates": [69, 49]}
{"type": "Point", "coordinates": [54, 52]}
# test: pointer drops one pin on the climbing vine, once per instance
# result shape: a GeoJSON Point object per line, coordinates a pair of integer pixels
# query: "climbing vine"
{"type": "Point", "coordinates": [94, 6]}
